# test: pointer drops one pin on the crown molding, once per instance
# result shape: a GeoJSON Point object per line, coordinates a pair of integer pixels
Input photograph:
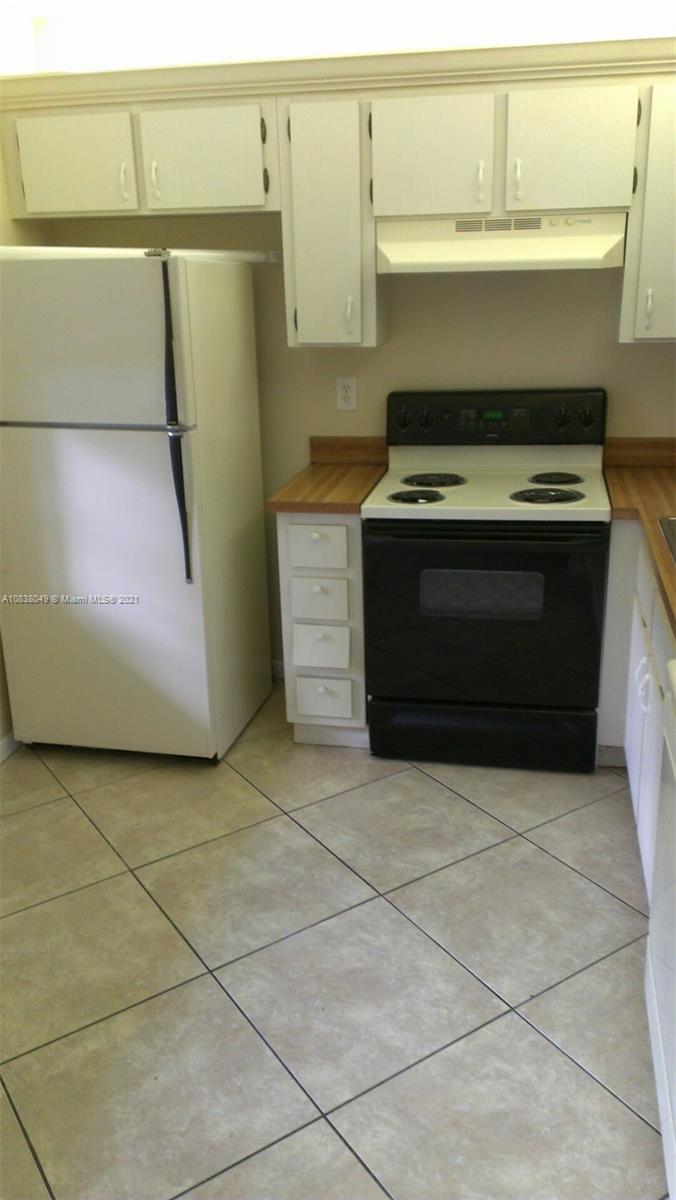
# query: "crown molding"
{"type": "Point", "coordinates": [437, 68]}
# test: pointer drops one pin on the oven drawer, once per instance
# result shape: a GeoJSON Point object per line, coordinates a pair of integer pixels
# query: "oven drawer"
{"type": "Point", "coordinates": [321, 646]}
{"type": "Point", "coordinates": [318, 545]}
{"type": "Point", "coordinates": [319, 599]}
{"type": "Point", "coordinates": [324, 697]}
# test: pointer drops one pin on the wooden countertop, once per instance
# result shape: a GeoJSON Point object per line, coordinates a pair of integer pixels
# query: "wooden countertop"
{"type": "Point", "coordinates": [341, 474]}
{"type": "Point", "coordinates": [646, 494]}
{"type": "Point", "coordinates": [327, 488]}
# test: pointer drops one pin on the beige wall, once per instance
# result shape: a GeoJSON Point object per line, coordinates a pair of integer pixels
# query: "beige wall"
{"type": "Point", "coordinates": [13, 233]}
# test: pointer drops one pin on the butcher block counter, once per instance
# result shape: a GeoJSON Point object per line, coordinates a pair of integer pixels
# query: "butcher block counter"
{"type": "Point", "coordinates": [646, 493]}
{"type": "Point", "coordinates": [341, 474]}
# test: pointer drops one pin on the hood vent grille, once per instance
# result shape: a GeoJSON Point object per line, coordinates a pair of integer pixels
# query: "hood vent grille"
{"type": "Point", "coordinates": [498, 225]}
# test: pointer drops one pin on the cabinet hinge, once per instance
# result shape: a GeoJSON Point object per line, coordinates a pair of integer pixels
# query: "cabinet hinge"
{"type": "Point", "coordinates": [295, 319]}
{"type": "Point", "coordinates": [266, 180]}
{"type": "Point", "coordinates": [639, 112]}
{"type": "Point", "coordinates": [371, 125]}
{"type": "Point", "coordinates": [288, 128]}
{"type": "Point", "coordinates": [635, 183]}
{"type": "Point", "coordinates": [264, 131]}
{"type": "Point", "coordinates": [371, 190]}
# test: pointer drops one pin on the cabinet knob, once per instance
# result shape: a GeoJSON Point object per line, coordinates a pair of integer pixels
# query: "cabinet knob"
{"type": "Point", "coordinates": [348, 313]}
{"type": "Point", "coordinates": [480, 168]}
{"type": "Point", "coordinates": [319, 637]}
{"type": "Point", "coordinates": [321, 691]}
{"type": "Point", "coordinates": [315, 535]}
{"type": "Point", "coordinates": [518, 191]}
{"type": "Point", "coordinates": [317, 590]}
{"type": "Point", "coordinates": [153, 178]}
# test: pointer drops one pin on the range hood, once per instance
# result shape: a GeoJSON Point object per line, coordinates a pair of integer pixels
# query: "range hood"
{"type": "Point", "coordinates": [542, 243]}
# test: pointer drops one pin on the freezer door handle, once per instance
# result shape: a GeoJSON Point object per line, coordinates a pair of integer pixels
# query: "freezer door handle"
{"type": "Point", "coordinates": [176, 455]}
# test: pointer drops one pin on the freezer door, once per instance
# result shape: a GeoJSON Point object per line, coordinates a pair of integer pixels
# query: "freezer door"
{"type": "Point", "coordinates": [115, 655]}
{"type": "Point", "coordinates": [83, 340]}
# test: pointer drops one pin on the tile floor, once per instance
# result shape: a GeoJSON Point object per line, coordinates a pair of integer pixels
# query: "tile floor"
{"type": "Point", "coordinates": [309, 974]}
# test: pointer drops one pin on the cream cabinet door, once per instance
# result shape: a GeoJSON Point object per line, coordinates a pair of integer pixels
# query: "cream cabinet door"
{"type": "Point", "coordinates": [77, 164]}
{"type": "Point", "coordinates": [570, 148]}
{"type": "Point", "coordinates": [326, 225]}
{"type": "Point", "coordinates": [656, 294]}
{"type": "Point", "coordinates": [432, 154]}
{"type": "Point", "coordinates": [203, 157]}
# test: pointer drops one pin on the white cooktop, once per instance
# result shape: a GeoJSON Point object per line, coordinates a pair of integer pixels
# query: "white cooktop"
{"type": "Point", "coordinates": [492, 474]}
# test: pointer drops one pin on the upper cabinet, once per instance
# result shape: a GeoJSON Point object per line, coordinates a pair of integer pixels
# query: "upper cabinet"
{"type": "Point", "coordinates": [433, 154]}
{"type": "Point", "coordinates": [77, 164]}
{"type": "Point", "coordinates": [213, 158]}
{"type": "Point", "coordinates": [327, 225]}
{"type": "Point", "coordinates": [204, 157]}
{"type": "Point", "coordinates": [570, 148]}
{"type": "Point", "coordinates": [656, 293]}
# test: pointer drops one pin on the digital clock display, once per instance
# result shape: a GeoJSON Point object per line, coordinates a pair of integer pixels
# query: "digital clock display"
{"type": "Point", "coordinates": [493, 414]}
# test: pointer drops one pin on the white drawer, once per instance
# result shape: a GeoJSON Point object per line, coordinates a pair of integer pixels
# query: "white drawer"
{"type": "Point", "coordinates": [324, 697]}
{"type": "Point", "coordinates": [321, 646]}
{"type": "Point", "coordinates": [318, 545]}
{"type": "Point", "coordinates": [319, 599]}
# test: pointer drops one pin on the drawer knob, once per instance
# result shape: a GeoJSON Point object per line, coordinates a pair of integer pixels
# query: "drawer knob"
{"type": "Point", "coordinates": [321, 691]}
{"type": "Point", "coordinates": [317, 590]}
{"type": "Point", "coordinates": [319, 637]}
{"type": "Point", "coordinates": [315, 535]}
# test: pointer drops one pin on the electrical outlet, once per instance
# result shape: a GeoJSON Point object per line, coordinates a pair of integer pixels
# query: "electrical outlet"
{"type": "Point", "coordinates": [346, 394]}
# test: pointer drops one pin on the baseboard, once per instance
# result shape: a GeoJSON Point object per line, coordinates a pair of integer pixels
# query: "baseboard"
{"type": "Point", "coordinates": [331, 735]}
{"type": "Point", "coordinates": [7, 746]}
{"type": "Point", "coordinates": [610, 756]}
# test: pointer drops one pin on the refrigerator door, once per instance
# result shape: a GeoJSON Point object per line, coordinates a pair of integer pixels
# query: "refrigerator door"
{"type": "Point", "coordinates": [82, 341]}
{"type": "Point", "coordinates": [114, 655]}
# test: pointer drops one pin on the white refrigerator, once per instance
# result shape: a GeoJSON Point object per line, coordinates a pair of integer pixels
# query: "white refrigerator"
{"type": "Point", "coordinates": [133, 590]}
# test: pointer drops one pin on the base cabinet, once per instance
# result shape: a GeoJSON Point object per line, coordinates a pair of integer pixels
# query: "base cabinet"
{"type": "Point", "coordinates": [320, 577]}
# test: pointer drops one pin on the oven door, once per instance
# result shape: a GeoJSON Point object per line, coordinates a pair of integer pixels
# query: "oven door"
{"type": "Point", "coordinates": [503, 613]}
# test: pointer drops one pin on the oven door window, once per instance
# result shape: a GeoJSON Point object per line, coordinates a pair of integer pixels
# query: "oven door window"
{"type": "Point", "coordinates": [482, 595]}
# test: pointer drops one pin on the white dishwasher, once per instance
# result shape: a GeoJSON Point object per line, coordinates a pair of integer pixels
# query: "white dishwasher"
{"type": "Point", "coordinates": [661, 956]}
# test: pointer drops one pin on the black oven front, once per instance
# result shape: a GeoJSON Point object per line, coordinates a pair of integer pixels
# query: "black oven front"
{"type": "Point", "coordinates": [483, 640]}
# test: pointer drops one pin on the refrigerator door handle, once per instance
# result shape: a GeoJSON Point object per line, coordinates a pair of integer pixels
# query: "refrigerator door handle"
{"type": "Point", "coordinates": [170, 395]}
{"type": "Point", "coordinates": [176, 456]}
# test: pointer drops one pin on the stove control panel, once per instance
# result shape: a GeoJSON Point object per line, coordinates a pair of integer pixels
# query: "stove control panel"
{"type": "Point", "coordinates": [549, 417]}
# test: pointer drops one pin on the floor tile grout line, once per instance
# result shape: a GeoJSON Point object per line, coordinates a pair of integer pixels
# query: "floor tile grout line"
{"type": "Point", "coordinates": [572, 811]}
{"type": "Point", "coordinates": [455, 862]}
{"type": "Point", "coordinates": [586, 1070]}
{"type": "Point", "coordinates": [417, 1063]}
{"type": "Point", "coordinates": [450, 954]}
{"type": "Point", "coordinates": [120, 779]}
{"type": "Point", "coordinates": [582, 875]}
{"type": "Point", "coordinates": [269, 1045]}
{"type": "Point", "coordinates": [207, 842]}
{"type": "Point", "coordinates": [580, 971]}
{"type": "Point", "coordinates": [24, 1131]}
{"type": "Point", "coordinates": [295, 932]}
{"type": "Point", "coordinates": [100, 1020]}
{"type": "Point", "coordinates": [247, 1158]}
{"type": "Point", "coordinates": [61, 895]}
{"type": "Point", "coordinates": [31, 807]}
{"type": "Point", "coordinates": [344, 791]}
{"type": "Point", "coordinates": [359, 1159]}
{"type": "Point", "coordinates": [487, 812]}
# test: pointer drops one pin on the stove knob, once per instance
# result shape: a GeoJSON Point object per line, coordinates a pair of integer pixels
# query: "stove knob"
{"type": "Point", "coordinates": [404, 418]}
{"type": "Point", "coordinates": [586, 416]}
{"type": "Point", "coordinates": [562, 417]}
{"type": "Point", "coordinates": [426, 418]}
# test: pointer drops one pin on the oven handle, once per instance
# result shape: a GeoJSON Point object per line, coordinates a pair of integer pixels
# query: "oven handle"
{"type": "Point", "coordinates": [490, 543]}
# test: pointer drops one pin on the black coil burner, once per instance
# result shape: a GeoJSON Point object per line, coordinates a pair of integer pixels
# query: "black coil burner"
{"type": "Point", "coordinates": [555, 477]}
{"type": "Point", "coordinates": [416, 496]}
{"type": "Point", "coordinates": [432, 479]}
{"type": "Point", "coordinates": [547, 496]}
